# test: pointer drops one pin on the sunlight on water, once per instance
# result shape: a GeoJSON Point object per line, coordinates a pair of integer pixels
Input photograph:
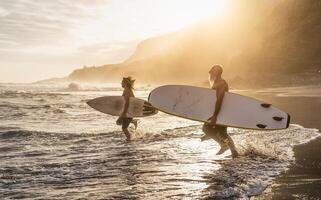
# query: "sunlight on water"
{"type": "Point", "coordinates": [52, 144]}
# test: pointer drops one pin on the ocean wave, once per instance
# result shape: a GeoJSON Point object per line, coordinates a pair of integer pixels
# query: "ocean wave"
{"type": "Point", "coordinates": [14, 134]}
{"type": "Point", "coordinates": [29, 94]}
{"type": "Point", "coordinates": [278, 143]}
{"type": "Point", "coordinates": [173, 163]}
{"type": "Point", "coordinates": [264, 155]}
{"type": "Point", "coordinates": [21, 109]}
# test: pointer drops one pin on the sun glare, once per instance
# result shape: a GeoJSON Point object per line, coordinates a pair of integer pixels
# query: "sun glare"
{"type": "Point", "coordinates": [186, 13]}
{"type": "Point", "coordinates": [144, 18]}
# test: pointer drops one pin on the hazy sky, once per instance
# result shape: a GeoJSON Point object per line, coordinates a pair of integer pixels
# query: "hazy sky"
{"type": "Point", "coordinates": [49, 38]}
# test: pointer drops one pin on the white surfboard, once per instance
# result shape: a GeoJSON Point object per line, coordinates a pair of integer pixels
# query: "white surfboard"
{"type": "Point", "coordinates": [198, 104]}
{"type": "Point", "coordinates": [114, 105]}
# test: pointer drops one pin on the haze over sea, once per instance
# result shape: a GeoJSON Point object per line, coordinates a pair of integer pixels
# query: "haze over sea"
{"type": "Point", "coordinates": [54, 146]}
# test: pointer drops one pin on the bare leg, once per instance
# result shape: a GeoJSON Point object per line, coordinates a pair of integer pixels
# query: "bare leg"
{"type": "Point", "coordinates": [127, 133]}
{"type": "Point", "coordinates": [221, 133]}
{"type": "Point", "coordinates": [125, 124]}
{"type": "Point", "coordinates": [214, 133]}
{"type": "Point", "coordinates": [135, 121]}
{"type": "Point", "coordinates": [224, 147]}
{"type": "Point", "coordinates": [232, 147]}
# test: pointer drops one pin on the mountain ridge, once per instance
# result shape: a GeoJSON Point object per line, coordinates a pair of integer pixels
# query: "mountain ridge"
{"type": "Point", "coordinates": [259, 47]}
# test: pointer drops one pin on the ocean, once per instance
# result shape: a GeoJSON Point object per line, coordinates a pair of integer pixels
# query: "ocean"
{"type": "Point", "coordinates": [54, 146]}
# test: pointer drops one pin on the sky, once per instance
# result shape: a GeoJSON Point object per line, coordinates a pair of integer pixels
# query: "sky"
{"type": "Point", "coordinates": [41, 39]}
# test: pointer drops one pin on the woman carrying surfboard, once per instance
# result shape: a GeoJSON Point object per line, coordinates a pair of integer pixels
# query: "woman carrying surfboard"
{"type": "Point", "coordinates": [128, 85]}
{"type": "Point", "coordinates": [211, 130]}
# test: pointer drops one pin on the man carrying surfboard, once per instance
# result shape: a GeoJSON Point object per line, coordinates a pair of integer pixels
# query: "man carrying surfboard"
{"type": "Point", "coordinates": [128, 85]}
{"type": "Point", "coordinates": [211, 130]}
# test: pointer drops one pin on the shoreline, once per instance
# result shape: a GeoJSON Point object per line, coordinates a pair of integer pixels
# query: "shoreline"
{"type": "Point", "coordinates": [303, 178]}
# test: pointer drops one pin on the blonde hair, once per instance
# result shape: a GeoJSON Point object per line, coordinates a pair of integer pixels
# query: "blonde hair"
{"type": "Point", "coordinates": [219, 67]}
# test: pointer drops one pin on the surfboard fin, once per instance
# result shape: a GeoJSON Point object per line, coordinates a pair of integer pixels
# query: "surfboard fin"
{"type": "Point", "coordinates": [288, 122]}
{"type": "Point", "coordinates": [261, 125]}
{"type": "Point", "coordinates": [278, 118]}
{"type": "Point", "coordinates": [266, 105]}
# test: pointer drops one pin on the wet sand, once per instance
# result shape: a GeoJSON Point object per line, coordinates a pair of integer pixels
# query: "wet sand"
{"type": "Point", "coordinates": [303, 179]}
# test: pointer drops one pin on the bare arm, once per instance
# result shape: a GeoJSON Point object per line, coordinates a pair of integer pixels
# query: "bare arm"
{"type": "Point", "coordinates": [126, 96]}
{"type": "Point", "coordinates": [220, 92]}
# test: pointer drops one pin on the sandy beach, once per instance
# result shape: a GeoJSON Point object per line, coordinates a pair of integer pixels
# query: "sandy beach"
{"type": "Point", "coordinates": [303, 179]}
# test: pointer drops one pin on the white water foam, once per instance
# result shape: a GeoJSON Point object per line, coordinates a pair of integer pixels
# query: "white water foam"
{"type": "Point", "coordinates": [265, 154]}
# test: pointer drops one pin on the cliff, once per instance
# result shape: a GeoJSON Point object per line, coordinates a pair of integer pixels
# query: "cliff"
{"type": "Point", "coordinates": [260, 44]}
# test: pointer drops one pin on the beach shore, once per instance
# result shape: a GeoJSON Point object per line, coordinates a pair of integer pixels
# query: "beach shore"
{"type": "Point", "coordinates": [303, 179]}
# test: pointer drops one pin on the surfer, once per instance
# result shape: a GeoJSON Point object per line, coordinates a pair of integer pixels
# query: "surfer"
{"type": "Point", "coordinates": [211, 130]}
{"type": "Point", "coordinates": [128, 85]}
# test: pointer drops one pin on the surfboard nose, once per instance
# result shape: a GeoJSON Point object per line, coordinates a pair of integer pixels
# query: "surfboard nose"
{"type": "Point", "coordinates": [90, 102]}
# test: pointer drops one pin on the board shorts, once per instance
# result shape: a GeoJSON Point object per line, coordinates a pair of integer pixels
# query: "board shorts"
{"type": "Point", "coordinates": [217, 133]}
{"type": "Point", "coordinates": [124, 122]}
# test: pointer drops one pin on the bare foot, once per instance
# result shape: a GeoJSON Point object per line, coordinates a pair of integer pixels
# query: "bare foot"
{"type": "Point", "coordinates": [235, 154]}
{"type": "Point", "coordinates": [135, 122]}
{"type": "Point", "coordinates": [205, 137]}
{"type": "Point", "coordinates": [224, 148]}
{"type": "Point", "coordinates": [230, 143]}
